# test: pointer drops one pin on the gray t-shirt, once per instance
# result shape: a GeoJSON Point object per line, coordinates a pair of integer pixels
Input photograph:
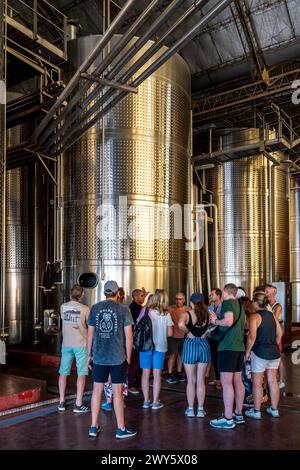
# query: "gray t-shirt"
{"type": "Point", "coordinates": [109, 319]}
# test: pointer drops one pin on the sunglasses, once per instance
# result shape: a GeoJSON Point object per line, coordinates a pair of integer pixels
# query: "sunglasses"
{"type": "Point", "coordinates": [179, 298]}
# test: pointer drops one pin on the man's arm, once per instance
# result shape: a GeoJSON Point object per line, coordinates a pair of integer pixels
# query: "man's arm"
{"type": "Point", "coordinates": [170, 331]}
{"type": "Point", "coordinates": [91, 330]}
{"type": "Point", "coordinates": [226, 321]}
{"type": "Point", "coordinates": [129, 340]}
{"type": "Point", "coordinates": [253, 325]}
{"type": "Point", "coordinates": [279, 332]}
{"type": "Point", "coordinates": [278, 312]}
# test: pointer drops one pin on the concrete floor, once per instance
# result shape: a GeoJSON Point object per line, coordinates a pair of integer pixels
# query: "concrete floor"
{"type": "Point", "coordinates": [167, 428]}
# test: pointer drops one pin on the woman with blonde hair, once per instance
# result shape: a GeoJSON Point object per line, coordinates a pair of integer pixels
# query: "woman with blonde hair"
{"type": "Point", "coordinates": [162, 327]}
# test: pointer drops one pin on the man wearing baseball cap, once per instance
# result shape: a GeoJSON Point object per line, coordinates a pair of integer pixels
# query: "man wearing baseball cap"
{"type": "Point", "coordinates": [109, 350]}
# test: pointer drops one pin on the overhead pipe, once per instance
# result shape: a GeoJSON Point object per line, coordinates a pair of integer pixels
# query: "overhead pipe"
{"type": "Point", "coordinates": [99, 70]}
{"type": "Point", "coordinates": [150, 70]}
{"type": "Point", "coordinates": [134, 68]}
{"type": "Point", "coordinates": [84, 67]}
{"type": "Point", "coordinates": [94, 95]}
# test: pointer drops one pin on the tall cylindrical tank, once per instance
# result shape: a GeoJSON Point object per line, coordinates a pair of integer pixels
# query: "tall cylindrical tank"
{"type": "Point", "coordinates": [295, 247]}
{"type": "Point", "coordinates": [251, 196]}
{"type": "Point", "coordinates": [146, 160]}
{"type": "Point", "coordinates": [19, 253]}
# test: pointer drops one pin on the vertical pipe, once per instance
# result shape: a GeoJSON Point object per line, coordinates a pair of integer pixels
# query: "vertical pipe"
{"type": "Point", "coordinates": [206, 251]}
{"type": "Point", "coordinates": [106, 22]}
{"type": "Point", "coordinates": [36, 256]}
{"type": "Point", "coordinates": [35, 19]}
{"type": "Point", "coordinates": [3, 38]}
{"type": "Point", "coordinates": [271, 219]}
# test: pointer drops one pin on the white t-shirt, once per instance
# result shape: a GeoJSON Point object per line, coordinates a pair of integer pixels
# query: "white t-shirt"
{"type": "Point", "coordinates": [74, 329]}
{"type": "Point", "coordinates": [160, 325]}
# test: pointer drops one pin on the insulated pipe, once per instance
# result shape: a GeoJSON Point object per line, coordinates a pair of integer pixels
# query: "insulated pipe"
{"type": "Point", "coordinates": [64, 144]}
{"type": "Point", "coordinates": [84, 66]}
{"type": "Point", "coordinates": [99, 70]}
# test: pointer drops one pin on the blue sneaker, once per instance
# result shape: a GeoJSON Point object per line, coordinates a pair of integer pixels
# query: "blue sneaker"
{"type": "Point", "coordinates": [106, 406]}
{"type": "Point", "coordinates": [222, 423]}
{"type": "Point", "coordinates": [94, 431]}
{"type": "Point", "coordinates": [124, 433]}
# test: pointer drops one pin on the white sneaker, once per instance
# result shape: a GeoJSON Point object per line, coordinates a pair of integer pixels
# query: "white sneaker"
{"type": "Point", "coordinates": [190, 412]}
{"type": "Point", "coordinates": [253, 414]}
{"type": "Point", "coordinates": [274, 413]}
{"type": "Point", "coordinates": [157, 406]}
{"type": "Point", "coordinates": [281, 384]}
{"type": "Point", "coordinates": [200, 413]}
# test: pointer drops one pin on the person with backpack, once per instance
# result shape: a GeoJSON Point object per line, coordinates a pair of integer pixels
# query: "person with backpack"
{"type": "Point", "coordinates": [154, 357]}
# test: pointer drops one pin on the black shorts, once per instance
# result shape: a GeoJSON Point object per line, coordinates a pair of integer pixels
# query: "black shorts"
{"type": "Point", "coordinates": [175, 345]}
{"type": "Point", "coordinates": [230, 361]}
{"type": "Point", "coordinates": [117, 373]}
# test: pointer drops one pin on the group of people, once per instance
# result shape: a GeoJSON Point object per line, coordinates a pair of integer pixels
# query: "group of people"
{"type": "Point", "coordinates": [231, 331]}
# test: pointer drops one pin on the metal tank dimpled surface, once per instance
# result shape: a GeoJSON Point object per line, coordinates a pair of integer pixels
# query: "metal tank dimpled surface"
{"type": "Point", "coordinates": [146, 159]}
{"type": "Point", "coordinates": [241, 190]}
{"type": "Point", "coordinates": [19, 256]}
{"type": "Point", "coordinates": [295, 247]}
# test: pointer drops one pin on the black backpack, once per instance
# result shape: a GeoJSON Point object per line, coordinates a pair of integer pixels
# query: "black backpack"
{"type": "Point", "coordinates": [142, 335]}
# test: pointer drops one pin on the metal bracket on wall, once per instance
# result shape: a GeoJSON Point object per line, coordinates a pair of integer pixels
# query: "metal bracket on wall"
{"type": "Point", "coordinates": [41, 157]}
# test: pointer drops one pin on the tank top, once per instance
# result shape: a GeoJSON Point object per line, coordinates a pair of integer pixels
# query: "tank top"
{"type": "Point", "coordinates": [197, 331]}
{"type": "Point", "coordinates": [265, 345]}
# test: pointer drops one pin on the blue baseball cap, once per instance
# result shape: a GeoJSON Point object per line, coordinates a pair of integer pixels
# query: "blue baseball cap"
{"type": "Point", "coordinates": [197, 297]}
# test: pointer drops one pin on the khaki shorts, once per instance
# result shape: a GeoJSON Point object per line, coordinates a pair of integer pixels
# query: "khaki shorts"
{"type": "Point", "coordinates": [260, 365]}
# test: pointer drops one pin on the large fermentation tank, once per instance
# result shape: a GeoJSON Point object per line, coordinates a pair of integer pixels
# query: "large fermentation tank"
{"type": "Point", "coordinates": [251, 196]}
{"type": "Point", "coordinates": [146, 160]}
{"type": "Point", "coordinates": [295, 247]}
{"type": "Point", "coordinates": [19, 249]}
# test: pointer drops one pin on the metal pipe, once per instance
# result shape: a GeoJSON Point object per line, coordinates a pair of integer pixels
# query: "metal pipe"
{"type": "Point", "coordinates": [216, 229]}
{"type": "Point", "coordinates": [128, 74]}
{"type": "Point", "coordinates": [100, 69]}
{"type": "Point", "coordinates": [111, 83]}
{"type": "Point", "coordinates": [149, 71]}
{"type": "Point", "coordinates": [270, 214]}
{"type": "Point", "coordinates": [3, 64]}
{"type": "Point", "coordinates": [206, 251]}
{"type": "Point", "coordinates": [94, 95]}
{"type": "Point", "coordinates": [84, 67]}
{"type": "Point", "coordinates": [36, 256]}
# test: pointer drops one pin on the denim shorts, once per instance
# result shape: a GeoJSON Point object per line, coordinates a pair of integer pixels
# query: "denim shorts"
{"type": "Point", "coordinates": [68, 355]}
{"type": "Point", "coordinates": [152, 359]}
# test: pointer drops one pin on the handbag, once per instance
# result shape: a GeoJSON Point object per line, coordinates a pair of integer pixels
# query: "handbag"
{"type": "Point", "coordinates": [142, 335]}
{"type": "Point", "coordinates": [218, 335]}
